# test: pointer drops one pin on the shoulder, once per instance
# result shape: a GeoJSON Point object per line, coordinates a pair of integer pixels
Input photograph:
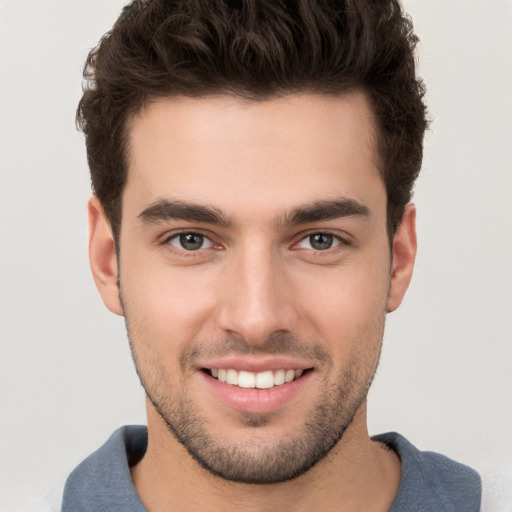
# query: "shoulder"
{"type": "Point", "coordinates": [432, 482]}
{"type": "Point", "coordinates": [103, 481]}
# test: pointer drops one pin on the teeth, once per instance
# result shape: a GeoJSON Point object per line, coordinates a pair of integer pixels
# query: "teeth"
{"type": "Point", "coordinates": [265, 380]}
{"type": "Point", "coordinates": [232, 377]}
{"type": "Point", "coordinates": [246, 379]}
{"type": "Point", "coordinates": [279, 377]}
{"type": "Point", "coordinates": [262, 380]}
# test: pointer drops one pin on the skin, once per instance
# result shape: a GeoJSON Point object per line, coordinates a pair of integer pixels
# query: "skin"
{"type": "Point", "coordinates": [257, 279]}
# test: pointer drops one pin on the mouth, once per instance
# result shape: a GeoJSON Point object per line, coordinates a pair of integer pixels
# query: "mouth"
{"type": "Point", "coordinates": [257, 385]}
{"type": "Point", "coordinates": [256, 380]}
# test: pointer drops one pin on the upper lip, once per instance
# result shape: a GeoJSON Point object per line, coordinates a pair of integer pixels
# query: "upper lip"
{"type": "Point", "coordinates": [256, 364]}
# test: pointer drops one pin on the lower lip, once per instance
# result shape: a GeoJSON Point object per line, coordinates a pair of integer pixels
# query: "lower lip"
{"type": "Point", "coordinates": [253, 400]}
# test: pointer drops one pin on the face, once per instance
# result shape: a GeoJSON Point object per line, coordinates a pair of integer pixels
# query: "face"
{"type": "Point", "coordinates": [255, 275]}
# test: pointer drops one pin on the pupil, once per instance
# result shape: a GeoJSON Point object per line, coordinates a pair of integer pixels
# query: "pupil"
{"type": "Point", "coordinates": [321, 241]}
{"type": "Point", "coordinates": [191, 241]}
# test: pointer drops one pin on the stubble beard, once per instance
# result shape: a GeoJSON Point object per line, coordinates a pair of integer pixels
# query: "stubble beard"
{"type": "Point", "coordinates": [255, 462]}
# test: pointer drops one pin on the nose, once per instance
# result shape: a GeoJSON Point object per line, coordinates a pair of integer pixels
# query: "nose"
{"type": "Point", "coordinates": [257, 300]}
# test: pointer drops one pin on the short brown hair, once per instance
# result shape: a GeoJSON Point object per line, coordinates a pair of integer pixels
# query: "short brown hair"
{"type": "Point", "coordinates": [255, 49]}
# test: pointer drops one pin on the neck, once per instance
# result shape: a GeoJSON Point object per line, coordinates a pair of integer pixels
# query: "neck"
{"type": "Point", "coordinates": [358, 474]}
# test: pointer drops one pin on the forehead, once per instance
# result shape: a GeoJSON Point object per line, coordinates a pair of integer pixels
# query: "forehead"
{"type": "Point", "coordinates": [240, 155]}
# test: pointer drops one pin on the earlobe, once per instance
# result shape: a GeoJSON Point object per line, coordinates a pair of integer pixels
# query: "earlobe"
{"type": "Point", "coordinates": [102, 256]}
{"type": "Point", "coordinates": [403, 256]}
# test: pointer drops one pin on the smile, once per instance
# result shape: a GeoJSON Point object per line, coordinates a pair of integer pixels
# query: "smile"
{"type": "Point", "coordinates": [261, 380]}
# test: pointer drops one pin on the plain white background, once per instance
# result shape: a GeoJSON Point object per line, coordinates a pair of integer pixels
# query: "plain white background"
{"type": "Point", "coordinates": [66, 374]}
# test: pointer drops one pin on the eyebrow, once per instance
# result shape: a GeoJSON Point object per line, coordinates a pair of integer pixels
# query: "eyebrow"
{"type": "Point", "coordinates": [325, 210]}
{"type": "Point", "coordinates": [164, 210]}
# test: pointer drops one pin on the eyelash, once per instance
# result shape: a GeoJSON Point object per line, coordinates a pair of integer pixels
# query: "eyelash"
{"type": "Point", "coordinates": [338, 241]}
{"type": "Point", "coordinates": [184, 252]}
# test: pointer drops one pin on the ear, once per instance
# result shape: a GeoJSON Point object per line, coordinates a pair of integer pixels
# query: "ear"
{"type": "Point", "coordinates": [403, 255]}
{"type": "Point", "coordinates": [102, 256]}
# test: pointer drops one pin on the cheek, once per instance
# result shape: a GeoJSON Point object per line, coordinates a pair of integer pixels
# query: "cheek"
{"type": "Point", "coordinates": [165, 306]}
{"type": "Point", "coordinates": [347, 305]}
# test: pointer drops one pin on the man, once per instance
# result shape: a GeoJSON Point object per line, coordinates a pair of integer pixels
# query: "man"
{"type": "Point", "coordinates": [252, 166]}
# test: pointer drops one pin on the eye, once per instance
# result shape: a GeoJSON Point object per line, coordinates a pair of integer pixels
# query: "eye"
{"type": "Point", "coordinates": [319, 241]}
{"type": "Point", "coordinates": [190, 241]}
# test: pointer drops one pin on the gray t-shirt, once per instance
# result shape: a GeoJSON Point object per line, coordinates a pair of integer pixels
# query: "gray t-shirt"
{"type": "Point", "coordinates": [430, 482]}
